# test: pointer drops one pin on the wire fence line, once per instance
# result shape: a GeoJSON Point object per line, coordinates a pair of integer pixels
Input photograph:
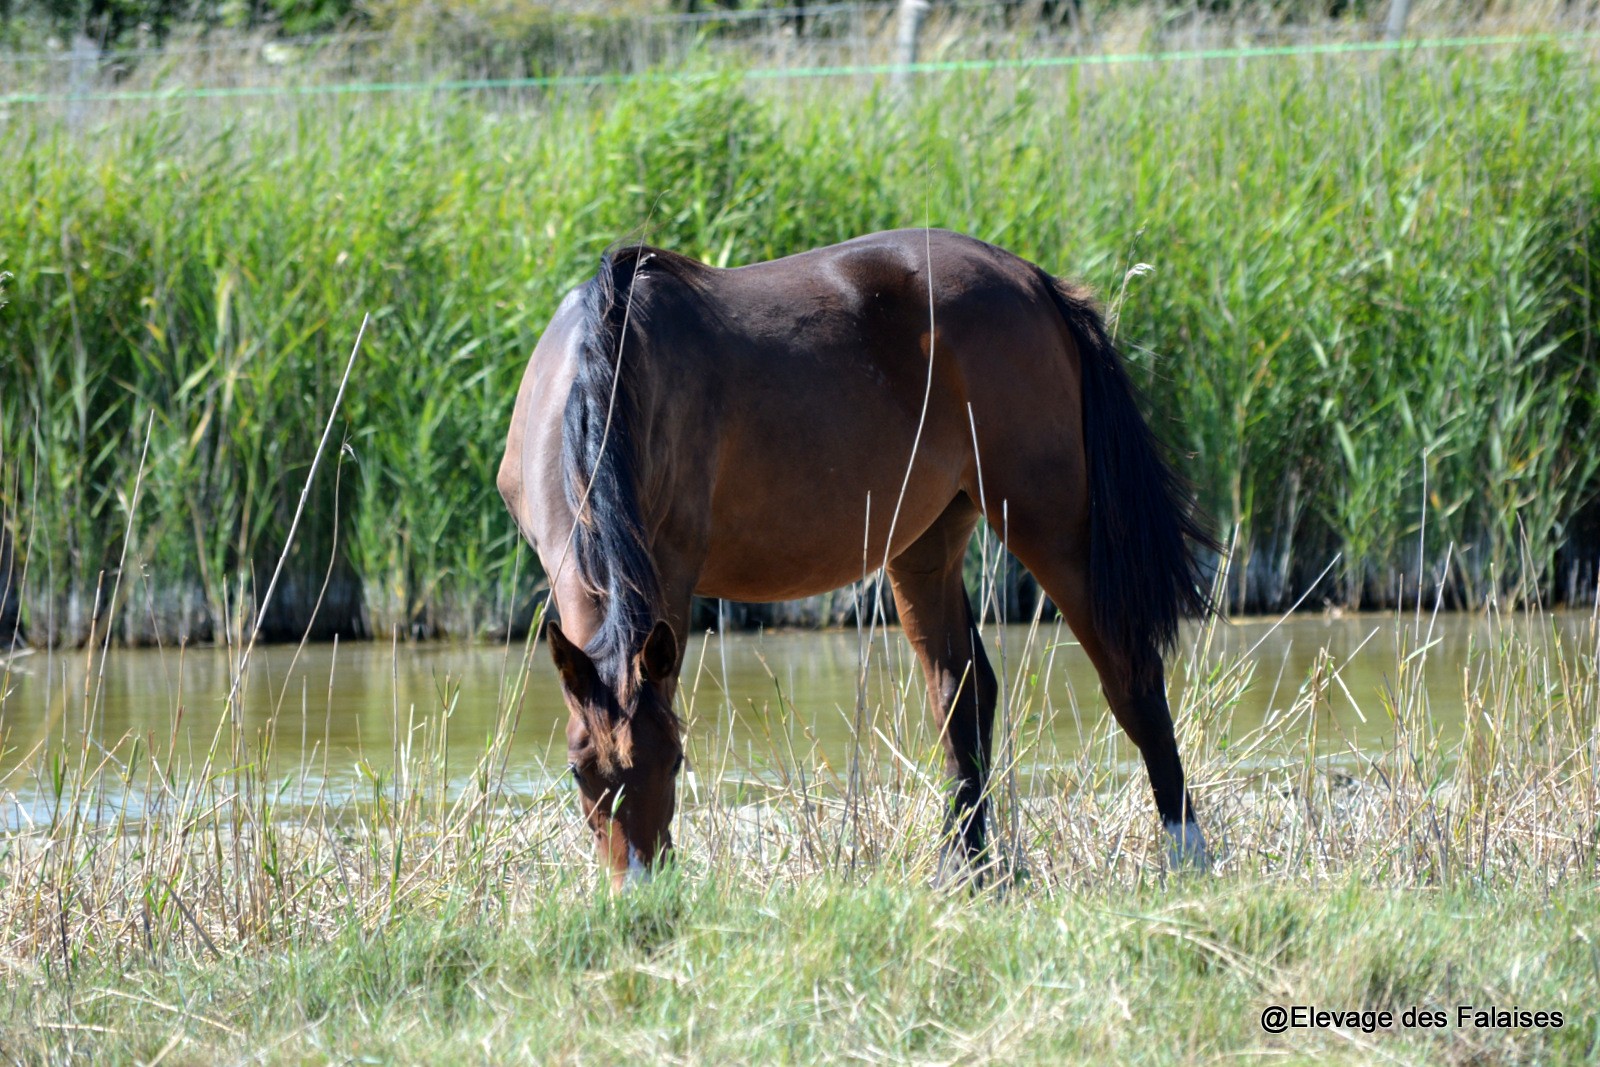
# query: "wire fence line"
{"type": "Point", "coordinates": [456, 50]}
{"type": "Point", "coordinates": [1007, 9]}
{"type": "Point", "coordinates": [730, 16]}
{"type": "Point", "coordinates": [839, 39]}
{"type": "Point", "coordinates": [1045, 62]}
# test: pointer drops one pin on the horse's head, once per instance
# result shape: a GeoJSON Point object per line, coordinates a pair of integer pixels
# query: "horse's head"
{"type": "Point", "coordinates": [624, 748]}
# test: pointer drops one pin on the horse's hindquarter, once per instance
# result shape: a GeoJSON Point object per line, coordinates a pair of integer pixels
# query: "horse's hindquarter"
{"type": "Point", "coordinates": [530, 478]}
{"type": "Point", "coordinates": [827, 357]}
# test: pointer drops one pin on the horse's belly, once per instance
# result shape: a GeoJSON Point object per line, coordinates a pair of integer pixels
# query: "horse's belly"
{"type": "Point", "coordinates": [803, 538]}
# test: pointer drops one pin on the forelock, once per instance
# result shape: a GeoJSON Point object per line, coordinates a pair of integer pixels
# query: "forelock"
{"type": "Point", "coordinates": [610, 725]}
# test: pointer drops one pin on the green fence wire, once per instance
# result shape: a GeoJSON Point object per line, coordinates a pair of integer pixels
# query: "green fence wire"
{"type": "Point", "coordinates": [782, 73]}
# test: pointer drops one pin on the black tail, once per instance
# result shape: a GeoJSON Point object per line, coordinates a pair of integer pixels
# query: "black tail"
{"type": "Point", "coordinates": [600, 459]}
{"type": "Point", "coordinates": [1143, 529]}
{"type": "Point", "coordinates": [603, 458]}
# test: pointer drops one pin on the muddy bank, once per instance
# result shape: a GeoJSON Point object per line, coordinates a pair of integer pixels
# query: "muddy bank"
{"type": "Point", "coordinates": [323, 606]}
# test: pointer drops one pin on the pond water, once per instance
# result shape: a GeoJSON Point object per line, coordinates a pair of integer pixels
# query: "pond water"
{"type": "Point", "coordinates": [749, 699]}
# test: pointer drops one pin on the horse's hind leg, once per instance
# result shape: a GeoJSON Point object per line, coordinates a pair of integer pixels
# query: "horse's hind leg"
{"type": "Point", "coordinates": [938, 622]}
{"type": "Point", "coordinates": [1138, 700]}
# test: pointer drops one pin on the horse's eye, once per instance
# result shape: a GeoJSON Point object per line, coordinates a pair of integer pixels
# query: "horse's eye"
{"type": "Point", "coordinates": [676, 767]}
{"type": "Point", "coordinates": [572, 769]}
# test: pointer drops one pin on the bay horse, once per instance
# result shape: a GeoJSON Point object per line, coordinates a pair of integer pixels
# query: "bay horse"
{"type": "Point", "coordinates": [745, 433]}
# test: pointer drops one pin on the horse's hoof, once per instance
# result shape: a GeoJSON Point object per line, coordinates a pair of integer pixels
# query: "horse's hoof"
{"type": "Point", "coordinates": [1186, 851]}
{"type": "Point", "coordinates": [958, 870]}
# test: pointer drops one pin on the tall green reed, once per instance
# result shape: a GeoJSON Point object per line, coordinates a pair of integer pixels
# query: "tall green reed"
{"type": "Point", "coordinates": [1367, 276]}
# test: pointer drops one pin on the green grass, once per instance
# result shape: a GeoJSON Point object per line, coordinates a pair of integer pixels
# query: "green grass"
{"type": "Point", "coordinates": [1365, 272]}
{"type": "Point", "coordinates": [160, 899]}
{"type": "Point", "coordinates": [829, 972]}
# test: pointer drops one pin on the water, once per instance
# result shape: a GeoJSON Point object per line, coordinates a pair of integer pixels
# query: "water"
{"type": "Point", "coordinates": [748, 699]}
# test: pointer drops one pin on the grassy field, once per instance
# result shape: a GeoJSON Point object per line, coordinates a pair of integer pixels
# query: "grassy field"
{"type": "Point", "coordinates": [880, 972]}
{"type": "Point", "coordinates": [1367, 275]}
{"type": "Point", "coordinates": [166, 902]}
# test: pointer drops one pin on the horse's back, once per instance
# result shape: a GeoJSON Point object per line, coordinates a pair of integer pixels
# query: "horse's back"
{"type": "Point", "coordinates": [893, 262]}
{"type": "Point", "coordinates": [886, 297]}
{"type": "Point", "coordinates": [836, 363]}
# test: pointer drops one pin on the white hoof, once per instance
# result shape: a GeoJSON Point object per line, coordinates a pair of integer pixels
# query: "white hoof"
{"type": "Point", "coordinates": [1187, 850]}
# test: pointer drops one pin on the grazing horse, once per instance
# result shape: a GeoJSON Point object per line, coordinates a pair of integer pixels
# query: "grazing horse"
{"type": "Point", "coordinates": [684, 429]}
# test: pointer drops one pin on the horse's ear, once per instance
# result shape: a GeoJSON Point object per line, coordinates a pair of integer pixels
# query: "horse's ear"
{"type": "Point", "coordinates": [576, 668]}
{"type": "Point", "coordinates": [660, 656]}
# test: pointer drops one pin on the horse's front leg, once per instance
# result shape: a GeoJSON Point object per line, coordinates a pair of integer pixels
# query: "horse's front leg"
{"type": "Point", "coordinates": [938, 622]}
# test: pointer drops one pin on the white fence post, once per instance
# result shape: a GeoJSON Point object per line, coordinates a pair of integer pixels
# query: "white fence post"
{"type": "Point", "coordinates": [912, 13]}
{"type": "Point", "coordinates": [1398, 10]}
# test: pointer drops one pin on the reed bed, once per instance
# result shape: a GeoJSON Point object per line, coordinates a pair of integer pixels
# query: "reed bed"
{"type": "Point", "coordinates": [1370, 308]}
